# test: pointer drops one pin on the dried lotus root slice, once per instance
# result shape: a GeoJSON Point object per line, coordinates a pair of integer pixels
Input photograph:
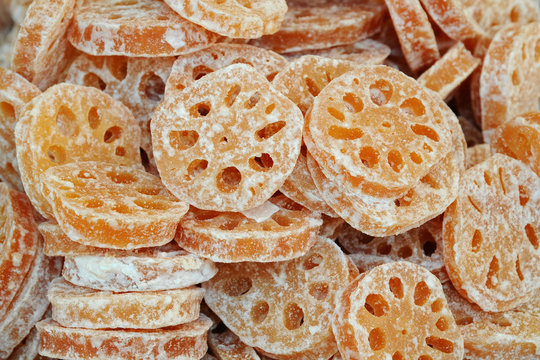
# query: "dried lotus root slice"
{"type": "Point", "coordinates": [191, 67]}
{"type": "Point", "coordinates": [115, 206]}
{"type": "Point", "coordinates": [320, 26]}
{"type": "Point", "coordinates": [362, 52]}
{"type": "Point", "coordinates": [414, 32]}
{"type": "Point", "coordinates": [19, 239]}
{"type": "Point", "coordinates": [477, 154]}
{"type": "Point", "coordinates": [228, 142]}
{"type": "Point", "coordinates": [235, 19]}
{"type": "Point", "coordinates": [278, 230]}
{"type": "Point", "coordinates": [186, 341]}
{"type": "Point", "coordinates": [421, 246]}
{"type": "Point", "coordinates": [76, 306]}
{"type": "Point", "coordinates": [30, 304]}
{"type": "Point", "coordinates": [396, 310]}
{"type": "Point", "coordinates": [152, 269]}
{"type": "Point", "coordinates": [28, 348]}
{"type": "Point", "coordinates": [42, 51]}
{"type": "Point", "coordinates": [70, 123]}
{"type": "Point", "coordinates": [447, 73]}
{"type": "Point", "coordinates": [227, 346]}
{"type": "Point", "coordinates": [345, 135]}
{"type": "Point", "coordinates": [520, 138]}
{"type": "Point", "coordinates": [139, 83]}
{"type": "Point", "coordinates": [282, 326]}
{"type": "Point", "coordinates": [134, 28]}
{"type": "Point", "coordinates": [510, 78]}
{"type": "Point", "coordinates": [15, 93]}
{"type": "Point", "coordinates": [490, 234]}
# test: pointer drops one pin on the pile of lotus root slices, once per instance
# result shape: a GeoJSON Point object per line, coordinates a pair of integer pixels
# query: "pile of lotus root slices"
{"type": "Point", "coordinates": [269, 179]}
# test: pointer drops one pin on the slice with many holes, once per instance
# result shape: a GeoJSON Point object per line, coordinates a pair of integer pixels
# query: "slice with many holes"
{"type": "Point", "coordinates": [134, 28]}
{"type": "Point", "coordinates": [112, 206]}
{"type": "Point", "coordinates": [246, 19]}
{"type": "Point", "coordinates": [323, 25]}
{"type": "Point", "coordinates": [15, 93]}
{"type": "Point", "coordinates": [396, 310]}
{"type": "Point", "coordinates": [191, 67]}
{"type": "Point", "coordinates": [227, 142]}
{"type": "Point", "coordinates": [491, 232]}
{"type": "Point", "coordinates": [294, 324]}
{"type": "Point", "coordinates": [377, 131]}
{"type": "Point", "coordinates": [139, 83]}
{"type": "Point", "coordinates": [282, 230]}
{"type": "Point", "coordinates": [70, 123]}
{"type": "Point", "coordinates": [520, 138]}
{"type": "Point", "coordinates": [227, 346]}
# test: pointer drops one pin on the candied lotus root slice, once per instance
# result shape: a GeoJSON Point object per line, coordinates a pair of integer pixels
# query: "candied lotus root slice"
{"type": "Point", "coordinates": [227, 346]}
{"type": "Point", "coordinates": [228, 142]}
{"type": "Point", "coordinates": [243, 296]}
{"type": "Point", "coordinates": [18, 239]}
{"type": "Point", "coordinates": [42, 51]}
{"type": "Point", "coordinates": [377, 131]}
{"type": "Point", "coordinates": [115, 206]}
{"type": "Point", "coordinates": [245, 19]}
{"type": "Point", "coordinates": [15, 93]}
{"type": "Point", "coordinates": [278, 230]}
{"type": "Point", "coordinates": [510, 78]}
{"type": "Point", "coordinates": [191, 67]}
{"type": "Point", "coordinates": [304, 78]}
{"type": "Point", "coordinates": [185, 341]}
{"type": "Point", "coordinates": [70, 123]}
{"type": "Point", "coordinates": [139, 83]}
{"type": "Point", "coordinates": [414, 32]}
{"type": "Point", "coordinates": [520, 138]}
{"type": "Point", "coordinates": [396, 310]}
{"type": "Point", "coordinates": [135, 28]}
{"type": "Point", "coordinates": [491, 232]}
{"type": "Point", "coordinates": [323, 25]}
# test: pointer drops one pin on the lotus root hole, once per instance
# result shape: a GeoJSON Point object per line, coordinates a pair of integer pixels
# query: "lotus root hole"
{"type": "Point", "coordinates": [56, 154]}
{"type": "Point", "coordinates": [405, 252]}
{"type": "Point", "coordinates": [531, 235]}
{"type": "Point", "coordinates": [353, 103]}
{"type": "Point", "coordinates": [229, 179]}
{"type": "Point", "coordinates": [293, 316]}
{"type": "Point", "coordinates": [229, 225]}
{"type": "Point", "coordinates": [66, 121]}
{"type": "Point", "coordinates": [253, 100]}
{"type": "Point", "coordinates": [425, 357]}
{"type": "Point", "coordinates": [7, 111]}
{"type": "Point", "coordinates": [261, 163]}
{"type": "Point", "coordinates": [238, 286]}
{"type": "Point", "coordinates": [396, 287]}
{"type": "Point", "coordinates": [121, 209]}
{"type": "Point", "coordinates": [421, 293]}
{"type": "Point", "coordinates": [282, 220]}
{"type": "Point", "coordinates": [182, 140]}
{"type": "Point", "coordinates": [518, 270]}
{"type": "Point", "coordinates": [537, 51]}
{"type": "Point", "coordinates": [473, 203]}
{"type": "Point", "coordinates": [312, 87]}
{"type": "Point", "coordinates": [121, 177]}
{"type": "Point", "coordinates": [242, 61]}
{"type": "Point", "coordinates": [259, 312]}
{"type": "Point", "coordinates": [380, 92]}
{"type": "Point", "coordinates": [153, 87]}
{"type": "Point", "coordinates": [270, 130]}
{"type": "Point", "coordinates": [245, 3]}
{"type": "Point", "coordinates": [111, 134]}
{"type": "Point", "coordinates": [427, 147]}
{"type": "Point", "coordinates": [319, 290]}
{"type": "Point", "coordinates": [516, 78]}
{"type": "Point", "coordinates": [93, 203]}
{"type": "Point", "coordinates": [119, 69]}
{"type": "Point", "coordinates": [376, 305]}
{"type": "Point", "coordinates": [200, 109]}
{"type": "Point", "coordinates": [85, 175]}
{"type": "Point", "coordinates": [201, 71]}
{"type": "Point", "coordinates": [523, 195]}
{"type": "Point", "coordinates": [429, 245]}
{"type": "Point", "coordinates": [151, 204]}
{"type": "Point", "coordinates": [313, 261]}
{"type": "Point", "coordinates": [501, 179]}
{"type": "Point", "coordinates": [515, 14]}
{"type": "Point", "coordinates": [406, 200]}
{"type": "Point", "coordinates": [413, 106]}
{"type": "Point", "coordinates": [94, 81]}
{"type": "Point", "coordinates": [437, 306]}
{"type": "Point", "coordinates": [416, 158]}
{"type": "Point", "coordinates": [269, 109]}
{"type": "Point", "coordinates": [149, 191]}
{"type": "Point", "coordinates": [487, 178]}
{"type": "Point", "coordinates": [120, 151]}
{"type": "Point", "coordinates": [395, 160]}
{"type": "Point", "coordinates": [442, 324]}
{"type": "Point", "coordinates": [336, 113]}
{"type": "Point", "coordinates": [440, 344]}
{"type": "Point", "coordinates": [492, 278]}
{"type": "Point", "coordinates": [195, 168]}
{"type": "Point", "coordinates": [369, 156]}
{"type": "Point", "coordinates": [232, 94]}
{"type": "Point", "coordinates": [476, 241]}
{"type": "Point", "coordinates": [377, 339]}
{"type": "Point", "coordinates": [341, 133]}
{"type": "Point", "coordinates": [384, 249]}
{"type": "Point", "coordinates": [271, 76]}
{"type": "Point", "coordinates": [397, 356]}
{"type": "Point", "coordinates": [426, 131]}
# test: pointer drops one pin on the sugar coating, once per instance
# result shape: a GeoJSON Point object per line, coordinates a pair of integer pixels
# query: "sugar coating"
{"type": "Point", "coordinates": [227, 346]}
